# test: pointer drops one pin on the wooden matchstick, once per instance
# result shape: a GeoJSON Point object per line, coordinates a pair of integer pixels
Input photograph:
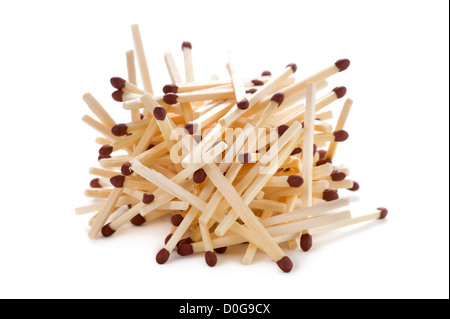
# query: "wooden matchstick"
{"type": "Point", "coordinates": [339, 126]}
{"type": "Point", "coordinates": [142, 61]}
{"type": "Point", "coordinates": [188, 65]}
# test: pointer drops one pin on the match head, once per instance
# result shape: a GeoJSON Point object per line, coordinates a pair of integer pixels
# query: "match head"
{"type": "Point", "coordinates": [342, 64]}
{"type": "Point", "coordinates": [306, 242]}
{"type": "Point", "coordinates": [295, 181]}
{"type": "Point", "coordinates": [162, 256]}
{"type": "Point", "coordinates": [330, 195]}
{"type": "Point", "coordinates": [170, 88]}
{"type": "Point", "coordinates": [323, 161]}
{"type": "Point", "coordinates": [243, 104]}
{"type": "Point", "coordinates": [107, 231]}
{"type": "Point", "coordinates": [278, 98]}
{"type": "Point", "coordinates": [337, 176]}
{"type": "Point", "coordinates": [197, 138]}
{"type": "Point", "coordinates": [150, 146]}
{"type": "Point", "coordinates": [119, 130]}
{"type": "Point", "coordinates": [184, 241]}
{"type": "Point", "coordinates": [117, 181]}
{"type": "Point", "coordinates": [210, 258]}
{"type": "Point", "coordinates": [176, 219]}
{"type": "Point", "coordinates": [293, 66]}
{"type": "Point", "coordinates": [355, 187]}
{"type": "Point", "coordinates": [296, 150]}
{"type": "Point", "coordinates": [191, 128]}
{"type": "Point", "coordinates": [266, 73]}
{"type": "Point", "coordinates": [95, 183]}
{"type": "Point", "coordinates": [220, 250]}
{"type": "Point", "coordinates": [170, 98]}
{"type": "Point", "coordinates": [285, 264]}
{"type": "Point", "coordinates": [105, 150]}
{"type": "Point", "coordinates": [340, 91]}
{"type": "Point", "coordinates": [159, 113]}
{"type": "Point", "coordinates": [322, 154]}
{"type": "Point", "coordinates": [166, 240]}
{"type": "Point", "coordinates": [199, 176]}
{"type": "Point", "coordinates": [251, 91]}
{"type": "Point", "coordinates": [185, 250]}
{"type": "Point", "coordinates": [118, 83]}
{"type": "Point", "coordinates": [281, 129]}
{"type": "Point", "coordinates": [340, 136]}
{"type": "Point", "coordinates": [186, 45]}
{"type": "Point", "coordinates": [147, 198]}
{"type": "Point", "coordinates": [383, 212]}
{"type": "Point", "coordinates": [126, 169]}
{"type": "Point", "coordinates": [244, 157]}
{"type": "Point", "coordinates": [257, 82]}
{"type": "Point", "coordinates": [117, 95]}
{"type": "Point", "coordinates": [138, 220]}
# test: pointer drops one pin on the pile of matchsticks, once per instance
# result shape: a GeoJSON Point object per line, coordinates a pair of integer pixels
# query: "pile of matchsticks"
{"type": "Point", "coordinates": [233, 162]}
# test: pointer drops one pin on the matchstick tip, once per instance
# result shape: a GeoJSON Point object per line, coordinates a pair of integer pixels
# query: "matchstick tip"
{"type": "Point", "coordinates": [184, 241]}
{"type": "Point", "coordinates": [191, 128]}
{"type": "Point", "coordinates": [126, 169]}
{"type": "Point", "coordinates": [117, 181]}
{"type": "Point", "coordinates": [170, 98]}
{"type": "Point", "coordinates": [383, 212]}
{"type": "Point", "coordinates": [220, 250]}
{"type": "Point", "coordinates": [281, 129]}
{"type": "Point", "coordinates": [342, 64]}
{"type": "Point", "coordinates": [322, 154]}
{"type": "Point", "coordinates": [340, 136]}
{"type": "Point", "coordinates": [147, 198]}
{"type": "Point", "coordinates": [186, 44]}
{"type": "Point", "coordinates": [329, 195]}
{"type": "Point", "coordinates": [162, 256]}
{"type": "Point", "coordinates": [199, 176]}
{"type": "Point", "coordinates": [285, 264]}
{"type": "Point", "coordinates": [138, 220]}
{"type": "Point", "coordinates": [119, 130]}
{"type": "Point", "coordinates": [355, 187]}
{"type": "Point", "coordinates": [293, 66]}
{"type": "Point", "coordinates": [95, 183]}
{"type": "Point", "coordinates": [118, 83]}
{"type": "Point", "coordinates": [322, 161]}
{"type": "Point", "coordinates": [295, 181]}
{"type": "Point", "coordinates": [337, 176]}
{"type": "Point", "coordinates": [166, 240]}
{"type": "Point", "coordinates": [170, 88]}
{"type": "Point", "coordinates": [107, 230]}
{"type": "Point", "coordinates": [257, 82]}
{"type": "Point", "coordinates": [296, 150]}
{"type": "Point", "coordinates": [278, 98]}
{"type": "Point", "coordinates": [244, 157]}
{"type": "Point", "coordinates": [176, 219]}
{"type": "Point", "coordinates": [243, 104]}
{"type": "Point", "coordinates": [210, 258]}
{"type": "Point", "coordinates": [105, 150]}
{"type": "Point", "coordinates": [117, 95]}
{"type": "Point", "coordinates": [251, 91]}
{"type": "Point", "coordinates": [150, 146]}
{"type": "Point", "coordinates": [340, 91]}
{"type": "Point", "coordinates": [306, 242]}
{"type": "Point", "coordinates": [185, 250]}
{"type": "Point", "coordinates": [266, 73]}
{"type": "Point", "coordinates": [159, 113]}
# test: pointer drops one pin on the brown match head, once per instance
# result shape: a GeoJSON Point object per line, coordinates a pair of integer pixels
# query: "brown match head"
{"type": "Point", "coordinates": [185, 250]}
{"type": "Point", "coordinates": [337, 176]}
{"type": "Point", "coordinates": [278, 98]}
{"type": "Point", "coordinates": [244, 157]}
{"type": "Point", "coordinates": [295, 181]}
{"type": "Point", "coordinates": [105, 150]}
{"type": "Point", "coordinates": [251, 91]}
{"type": "Point", "coordinates": [322, 154]}
{"type": "Point", "coordinates": [162, 256]}
{"type": "Point", "coordinates": [150, 146]}
{"type": "Point", "coordinates": [322, 161]}
{"type": "Point", "coordinates": [266, 73]}
{"type": "Point", "coordinates": [117, 95]}
{"type": "Point", "coordinates": [159, 113]}
{"type": "Point", "coordinates": [281, 129]}
{"type": "Point", "coordinates": [383, 212]}
{"type": "Point", "coordinates": [129, 206]}
{"type": "Point", "coordinates": [126, 169]}
{"type": "Point", "coordinates": [340, 136]}
{"type": "Point", "coordinates": [170, 88]}
{"type": "Point", "coordinates": [355, 187]}
{"type": "Point", "coordinates": [186, 45]}
{"type": "Point", "coordinates": [243, 104]}
{"type": "Point", "coordinates": [296, 150]}
{"type": "Point", "coordinates": [330, 195]}
{"type": "Point", "coordinates": [210, 258]}
{"type": "Point", "coordinates": [314, 149]}
{"type": "Point", "coordinates": [306, 242]}
{"type": "Point", "coordinates": [220, 250]}
{"type": "Point", "coordinates": [147, 198]}
{"type": "Point", "coordinates": [170, 98]}
{"type": "Point", "coordinates": [176, 219]}
{"type": "Point", "coordinates": [340, 91]}
{"type": "Point", "coordinates": [184, 241]}
{"type": "Point", "coordinates": [257, 82]}
{"type": "Point", "coordinates": [199, 176]}
{"type": "Point", "coordinates": [197, 138]}
{"type": "Point", "coordinates": [117, 181]}
{"type": "Point", "coordinates": [285, 264]}
{"type": "Point", "coordinates": [119, 130]}
{"type": "Point", "coordinates": [293, 66]}
{"type": "Point", "coordinates": [191, 128]}
{"type": "Point", "coordinates": [342, 64]}
{"type": "Point", "coordinates": [138, 220]}
{"type": "Point", "coordinates": [95, 183]}
{"type": "Point", "coordinates": [118, 83]}
{"type": "Point", "coordinates": [107, 230]}
{"type": "Point", "coordinates": [166, 240]}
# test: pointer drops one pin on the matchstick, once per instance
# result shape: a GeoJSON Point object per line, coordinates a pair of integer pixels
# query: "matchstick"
{"type": "Point", "coordinates": [142, 61]}
{"type": "Point", "coordinates": [98, 110]}
{"type": "Point", "coordinates": [188, 65]}
{"type": "Point", "coordinates": [339, 126]}
{"type": "Point", "coordinates": [308, 142]}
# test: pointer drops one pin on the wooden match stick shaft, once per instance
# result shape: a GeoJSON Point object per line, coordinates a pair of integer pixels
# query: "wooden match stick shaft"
{"type": "Point", "coordinates": [339, 126]}
{"type": "Point", "coordinates": [98, 110]}
{"type": "Point", "coordinates": [308, 143]}
{"type": "Point", "coordinates": [347, 222]}
{"type": "Point", "coordinates": [142, 61]}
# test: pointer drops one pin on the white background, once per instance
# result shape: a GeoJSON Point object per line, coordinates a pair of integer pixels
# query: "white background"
{"type": "Point", "coordinates": [54, 51]}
